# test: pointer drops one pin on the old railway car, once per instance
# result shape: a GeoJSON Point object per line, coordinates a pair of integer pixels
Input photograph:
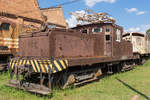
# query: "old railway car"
{"type": "Point", "coordinates": [69, 56]}
{"type": "Point", "coordinates": [10, 28]}
{"type": "Point", "coordinates": [8, 41]}
{"type": "Point", "coordinates": [140, 43]}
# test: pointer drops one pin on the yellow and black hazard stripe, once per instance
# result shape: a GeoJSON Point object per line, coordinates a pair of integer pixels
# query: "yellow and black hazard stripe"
{"type": "Point", "coordinates": [17, 62]}
{"type": "Point", "coordinates": [38, 65]}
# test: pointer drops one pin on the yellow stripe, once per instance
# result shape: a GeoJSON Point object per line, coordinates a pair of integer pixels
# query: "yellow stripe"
{"type": "Point", "coordinates": [66, 62]}
{"type": "Point", "coordinates": [33, 66]}
{"type": "Point", "coordinates": [37, 65]}
{"type": "Point", "coordinates": [53, 70]}
{"type": "Point", "coordinates": [13, 64]}
{"type": "Point", "coordinates": [20, 62]}
{"type": "Point", "coordinates": [10, 63]}
{"type": "Point", "coordinates": [42, 67]}
{"type": "Point", "coordinates": [57, 65]}
{"type": "Point", "coordinates": [62, 63]}
{"type": "Point", "coordinates": [24, 62]}
{"type": "Point", "coordinates": [17, 61]}
{"type": "Point", "coordinates": [46, 67]}
{"type": "Point", "coordinates": [28, 62]}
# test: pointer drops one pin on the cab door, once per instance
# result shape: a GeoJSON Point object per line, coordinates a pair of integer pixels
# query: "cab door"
{"type": "Point", "coordinates": [108, 42]}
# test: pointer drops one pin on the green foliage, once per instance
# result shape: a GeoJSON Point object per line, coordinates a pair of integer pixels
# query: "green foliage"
{"type": "Point", "coordinates": [108, 88]}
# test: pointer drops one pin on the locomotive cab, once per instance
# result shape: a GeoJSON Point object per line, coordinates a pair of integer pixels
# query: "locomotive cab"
{"type": "Point", "coordinates": [110, 35]}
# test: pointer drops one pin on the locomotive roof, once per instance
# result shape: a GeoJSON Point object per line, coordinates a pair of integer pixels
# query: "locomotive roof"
{"type": "Point", "coordinates": [70, 29]}
{"type": "Point", "coordinates": [45, 32]}
{"type": "Point", "coordinates": [96, 24]}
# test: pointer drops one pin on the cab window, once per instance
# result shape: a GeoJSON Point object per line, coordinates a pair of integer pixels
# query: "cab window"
{"type": "Point", "coordinates": [85, 31]}
{"type": "Point", "coordinates": [97, 30]}
{"type": "Point", "coordinates": [118, 34]}
{"type": "Point", "coordinates": [107, 37]}
{"type": "Point", "coordinates": [107, 30]}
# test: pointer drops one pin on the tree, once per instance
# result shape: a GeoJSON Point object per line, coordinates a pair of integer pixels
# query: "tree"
{"type": "Point", "coordinates": [148, 33]}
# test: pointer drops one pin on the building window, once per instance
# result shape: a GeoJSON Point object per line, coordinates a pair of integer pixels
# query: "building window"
{"type": "Point", "coordinates": [107, 37]}
{"type": "Point", "coordinates": [85, 31]}
{"type": "Point", "coordinates": [107, 30]}
{"type": "Point", "coordinates": [118, 32]}
{"type": "Point", "coordinates": [97, 29]}
{"type": "Point", "coordinates": [4, 26]}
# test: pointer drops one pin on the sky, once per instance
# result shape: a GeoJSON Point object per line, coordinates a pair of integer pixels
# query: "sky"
{"type": "Point", "coordinates": [132, 15]}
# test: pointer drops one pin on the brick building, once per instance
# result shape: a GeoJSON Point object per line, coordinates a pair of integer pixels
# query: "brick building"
{"type": "Point", "coordinates": [55, 16]}
{"type": "Point", "coordinates": [24, 12]}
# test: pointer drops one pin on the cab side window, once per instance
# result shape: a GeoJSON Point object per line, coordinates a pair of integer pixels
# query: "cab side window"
{"type": "Point", "coordinates": [107, 30]}
{"type": "Point", "coordinates": [118, 34]}
{"type": "Point", "coordinates": [96, 30]}
{"type": "Point", "coordinates": [107, 34]}
{"type": "Point", "coordinates": [107, 37]}
{"type": "Point", "coordinates": [85, 31]}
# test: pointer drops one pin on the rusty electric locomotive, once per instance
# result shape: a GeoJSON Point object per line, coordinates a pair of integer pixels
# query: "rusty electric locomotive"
{"type": "Point", "coordinates": [71, 56]}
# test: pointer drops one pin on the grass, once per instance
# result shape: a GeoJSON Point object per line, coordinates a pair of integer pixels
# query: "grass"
{"type": "Point", "coordinates": [122, 86]}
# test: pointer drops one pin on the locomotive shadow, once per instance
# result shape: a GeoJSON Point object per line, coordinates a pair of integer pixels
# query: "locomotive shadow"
{"type": "Point", "coordinates": [133, 89]}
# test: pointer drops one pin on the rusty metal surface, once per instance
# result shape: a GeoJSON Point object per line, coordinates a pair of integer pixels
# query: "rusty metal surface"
{"type": "Point", "coordinates": [78, 45]}
{"type": "Point", "coordinates": [59, 44]}
{"type": "Point", "coordinates": [34, 46]}
{"type": "Point", "coordinates": [123, 48]}
{"type": "Point", "coordinates": [93, 60]}
{"type": "Point", "coordinates": [78, 48]}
